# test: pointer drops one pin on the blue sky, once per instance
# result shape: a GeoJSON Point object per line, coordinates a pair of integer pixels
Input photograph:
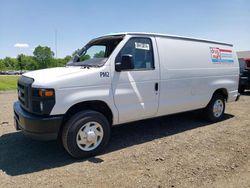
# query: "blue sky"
{"type": "Point", "coordinates": [25, 24]}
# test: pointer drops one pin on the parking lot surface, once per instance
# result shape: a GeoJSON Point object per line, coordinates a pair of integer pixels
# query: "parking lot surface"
{"type": "Point", "coordinates": [180, 150]}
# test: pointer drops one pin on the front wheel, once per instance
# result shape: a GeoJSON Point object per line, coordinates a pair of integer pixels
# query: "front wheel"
{"type": "Point", "coordinates": [215, 109]}
{"type": "Point", "coordinates": [86, 134]}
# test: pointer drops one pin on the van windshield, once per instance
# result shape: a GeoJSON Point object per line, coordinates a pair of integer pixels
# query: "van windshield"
{"type": "Point", "coordinates": [96, 52]}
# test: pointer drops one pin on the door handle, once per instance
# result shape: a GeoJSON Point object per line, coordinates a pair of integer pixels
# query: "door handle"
{"type": "Point", "coordinates": [156, 86]}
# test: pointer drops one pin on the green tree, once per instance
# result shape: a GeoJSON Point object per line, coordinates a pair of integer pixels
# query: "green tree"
{"type": "Point", "coordinates": [100, 54]}
{"type": "Point", "coordinates": [2, 66]}
{"type": "Point", "coordinates": [43, 56]}
{"type": "Point", "coordinates": [67, 58]}
{"type": "Point", "coordinates": [75, 52]}
{"type": "Point", "coordinates": [59, 62]}
{"type": "Point", "coordinates": [84, 57]}
{"type": "Point", "coordinates": [20, 62]}
{"type": "Point", "coordinates": [30, 63]}
{"type": "Point", "coordinates": [10, 63]}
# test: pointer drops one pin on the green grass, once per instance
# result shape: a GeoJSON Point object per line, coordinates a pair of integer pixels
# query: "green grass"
{"type": "Point", "coordinates": [8, 83]}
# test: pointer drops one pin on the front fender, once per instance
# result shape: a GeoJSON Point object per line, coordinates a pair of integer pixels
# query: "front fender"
{"type": "Point", "coordinates": [67, 97]}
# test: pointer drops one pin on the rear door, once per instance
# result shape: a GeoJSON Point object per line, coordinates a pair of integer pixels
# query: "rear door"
{"type": "Point", "coordinates": [136, 92]}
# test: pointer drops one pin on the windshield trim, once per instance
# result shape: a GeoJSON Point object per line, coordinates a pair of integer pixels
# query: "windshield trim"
{"type": "Point", "coordinates": [92, 43]}
{"type": "Point", "coordinates": [87, 64]}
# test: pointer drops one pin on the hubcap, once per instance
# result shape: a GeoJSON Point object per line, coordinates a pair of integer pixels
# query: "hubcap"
{"type": "Point", "coordinates": [89, 136]}
{"type": "Point", "coordinates": [218, 108]}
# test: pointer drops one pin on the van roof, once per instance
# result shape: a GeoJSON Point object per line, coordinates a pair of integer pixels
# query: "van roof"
{"type": "Point", "coordinates": [170, 36]}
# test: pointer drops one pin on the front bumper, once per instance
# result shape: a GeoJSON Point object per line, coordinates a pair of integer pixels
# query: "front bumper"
{"type": "Point", "coordinates": [37, 127]}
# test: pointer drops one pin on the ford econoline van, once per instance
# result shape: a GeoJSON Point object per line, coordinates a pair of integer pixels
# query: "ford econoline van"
{"type": "Point", "coordinates": [121, 78]}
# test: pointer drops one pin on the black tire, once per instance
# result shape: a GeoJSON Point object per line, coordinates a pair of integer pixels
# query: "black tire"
{"type": "Point", "coordinates": [208, 111]}
{"type": "Point", "coordinates": [73, 125]}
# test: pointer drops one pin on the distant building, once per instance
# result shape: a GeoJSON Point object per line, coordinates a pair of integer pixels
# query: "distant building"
{"type": "Point", "coordinates": [243, 54]}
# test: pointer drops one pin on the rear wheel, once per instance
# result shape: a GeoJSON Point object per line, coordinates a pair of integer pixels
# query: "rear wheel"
{"type": "Point", "coordinates": [86, 134]}
{"type": "Point", "coordinates": [215, 109]}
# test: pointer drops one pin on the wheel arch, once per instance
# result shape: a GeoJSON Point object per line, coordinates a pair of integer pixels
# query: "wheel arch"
{"type": "Point", "coordinates": [96, 105]}
{"type": "Point", "coordinates": [223, 92]}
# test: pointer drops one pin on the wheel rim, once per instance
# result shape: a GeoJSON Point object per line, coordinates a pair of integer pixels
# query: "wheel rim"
{"type": "Point", "coordinates": [218, 108]}
{"type": "Point", "coordinates": [89, 136]}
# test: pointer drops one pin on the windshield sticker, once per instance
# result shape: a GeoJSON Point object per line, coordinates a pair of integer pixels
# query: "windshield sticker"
{"type": "Point", "coordinates": [141, 46]}
{"type": "Point", "coordinates": [219, 55]}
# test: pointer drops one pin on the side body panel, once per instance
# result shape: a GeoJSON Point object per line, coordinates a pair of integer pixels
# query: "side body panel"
{"type": "Point", "coordinates": [189, 77]}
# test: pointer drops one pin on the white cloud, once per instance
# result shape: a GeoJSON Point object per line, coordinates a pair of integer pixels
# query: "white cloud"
{"type": "Point", "coordinates": [21, 45]}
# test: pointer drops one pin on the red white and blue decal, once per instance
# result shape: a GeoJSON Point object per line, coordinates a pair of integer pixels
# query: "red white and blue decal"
{"type": "Point", "coordinates": [219, 55]}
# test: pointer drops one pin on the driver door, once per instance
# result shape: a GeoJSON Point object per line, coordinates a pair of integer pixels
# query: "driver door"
{"type": "Point", "coordinates": [136, 91]}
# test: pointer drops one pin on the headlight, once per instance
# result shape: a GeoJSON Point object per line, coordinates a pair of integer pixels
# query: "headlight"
{"type": "Point", "coordinates": [42, 100]}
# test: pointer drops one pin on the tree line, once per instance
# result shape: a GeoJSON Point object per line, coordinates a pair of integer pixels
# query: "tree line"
{"type": "Point", "coordinates": [43, 57]}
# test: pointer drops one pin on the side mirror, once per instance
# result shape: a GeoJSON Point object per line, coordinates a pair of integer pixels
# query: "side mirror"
{"type": "Point", "coordinates": [125, 64]}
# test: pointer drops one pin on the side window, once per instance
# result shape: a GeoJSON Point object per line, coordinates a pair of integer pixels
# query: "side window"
{"type": "Point", "coordinates": [142, 52]}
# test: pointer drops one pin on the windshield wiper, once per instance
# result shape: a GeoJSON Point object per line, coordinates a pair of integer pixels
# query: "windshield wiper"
{"type": "Point", "coordinates": [88, 66]}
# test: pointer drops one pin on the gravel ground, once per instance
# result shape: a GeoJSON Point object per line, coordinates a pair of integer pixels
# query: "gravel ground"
{"type": "Point", "coordinates": [174, 151]}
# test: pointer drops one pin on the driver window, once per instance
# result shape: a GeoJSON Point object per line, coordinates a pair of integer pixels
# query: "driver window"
{"type": "Point", "coordinates": [141, 50]}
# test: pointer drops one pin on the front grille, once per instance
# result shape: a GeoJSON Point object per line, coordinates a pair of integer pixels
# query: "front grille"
{"type": "Point", "coordinates": [24, 91]}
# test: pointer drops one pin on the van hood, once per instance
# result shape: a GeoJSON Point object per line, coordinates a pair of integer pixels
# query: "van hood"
{"type": "Point", "coordinates": [52, 76]}
{"type": "Point", "coordinates": [70, 77]}
{"type": "Point", "coordinates": [52, 73]}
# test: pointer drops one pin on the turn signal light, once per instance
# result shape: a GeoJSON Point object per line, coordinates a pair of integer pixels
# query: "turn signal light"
{"type": "Point", "coordinates": [46, 93]}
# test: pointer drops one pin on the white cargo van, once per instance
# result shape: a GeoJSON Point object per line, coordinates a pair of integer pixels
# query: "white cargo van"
{"type": "Point", "coordinates": [121, 78]}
